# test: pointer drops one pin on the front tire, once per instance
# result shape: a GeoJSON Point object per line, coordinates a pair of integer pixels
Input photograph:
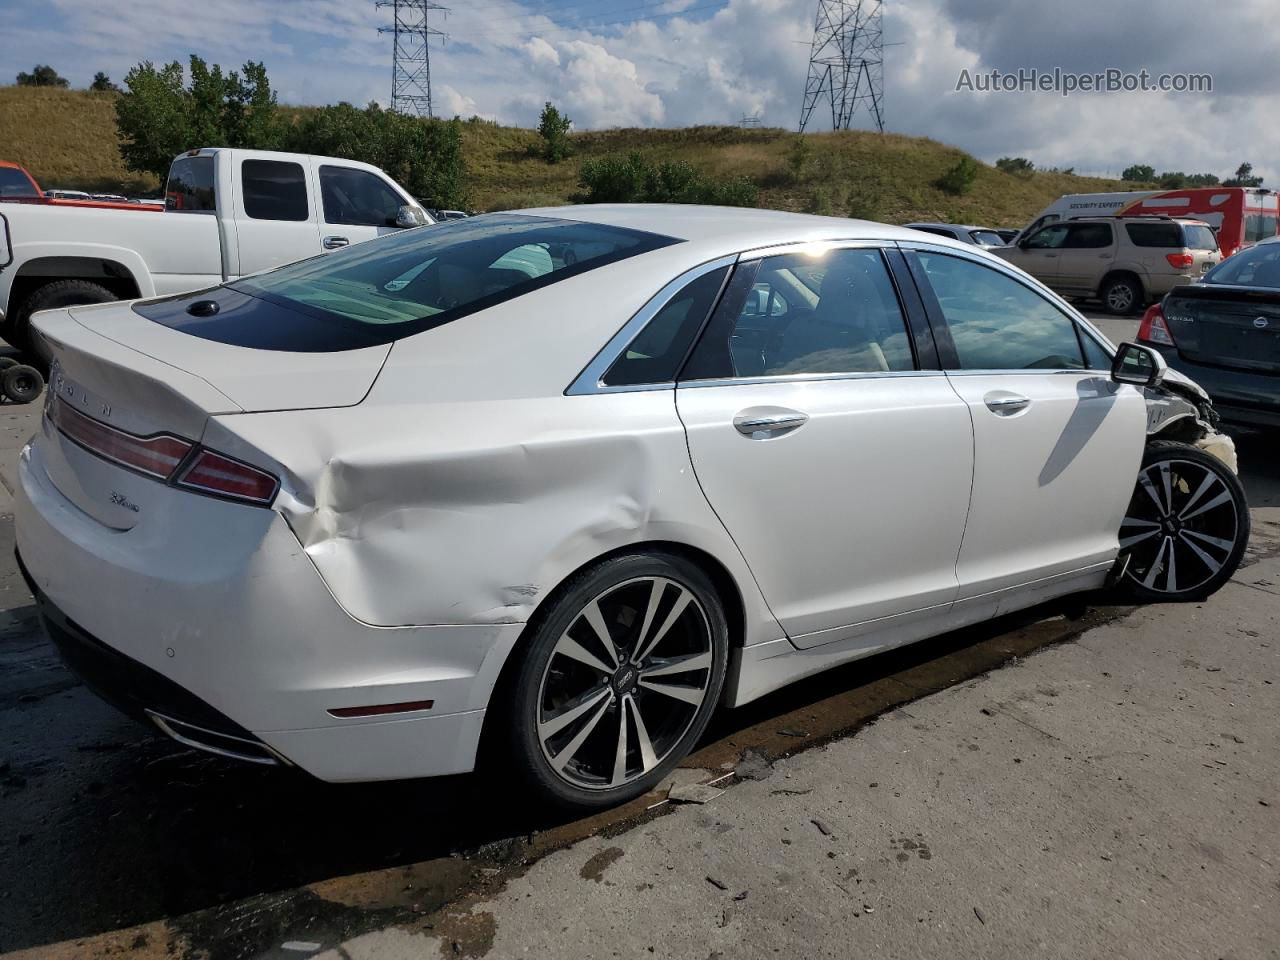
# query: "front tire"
{"type": "Point", "coordinates": [617, 680]}
{"type": "Point", "coordinates": [1187, 525]}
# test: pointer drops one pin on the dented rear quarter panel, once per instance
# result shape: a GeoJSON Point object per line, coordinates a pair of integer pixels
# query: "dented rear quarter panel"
{"type": "Point", "coordinates": [467, 486]}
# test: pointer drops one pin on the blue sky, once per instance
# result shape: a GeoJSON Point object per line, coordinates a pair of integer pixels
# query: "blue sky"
{"type": "Point", "coordinates": [678, 62]}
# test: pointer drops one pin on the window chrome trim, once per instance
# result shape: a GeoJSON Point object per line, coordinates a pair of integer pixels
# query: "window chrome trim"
{"type": "Point", "coordinates": [1022, 277]}
{"type": "Point", "coordinates": [808, 378]}
{"type": "Point", "coordinates": [1027, 372]}
{"type": "Point", "coordinates": [590, 380]}
{"type": "Point", "coordinates": [823, 245]}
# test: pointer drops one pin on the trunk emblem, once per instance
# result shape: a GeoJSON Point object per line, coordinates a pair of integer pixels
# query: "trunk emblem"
{"type": "Point", "coordinates": [120, 500]}
{"type": "Point", "coordinates": [1260, 322]}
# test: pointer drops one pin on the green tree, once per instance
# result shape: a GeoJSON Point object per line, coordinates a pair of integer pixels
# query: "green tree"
{"type": "Point", "coordinates": [1244, 177]}
{"type": "Point", "coordinates": [1172, 180]}
{"type": "Point", "coordinates": [959, 179]}
{"type": "Point", "coordinates": [102, 83]}
{"type": "Point", "coordinates": [42, 75]}
{"type": "Point", "coordinates": [424, 155]}
{"type": "Point", "coordinates": [1139, 172]}
{"type": "Point", "coordinates": [553, 127]}
{"type": "Point", "coordinates": [1020, 166]}
{"type": "Point", "coordinates": [159, 115]}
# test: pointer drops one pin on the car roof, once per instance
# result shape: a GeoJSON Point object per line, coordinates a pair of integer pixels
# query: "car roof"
{"type": "Point", "coordinates": [723, 230]}
{"type": "Point", "coordinates": [950, 226]}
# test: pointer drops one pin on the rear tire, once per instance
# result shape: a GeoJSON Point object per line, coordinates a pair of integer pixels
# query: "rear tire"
{"type": "Point", "coordinates": [60, 293]}
{"type": "Point", "coordinates": [1186, 528]}
{"type": "Point", "coordinates": [21, 383]}
{"type": "Point", "coordinates": [1122, 295]}
{"type": "Point", "coordinates": [585, 734]}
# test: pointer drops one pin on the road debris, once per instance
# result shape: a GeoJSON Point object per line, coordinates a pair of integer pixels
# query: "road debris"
{"type": "Point", "coordinates": [718, 884]}
{"type": "Point", "coordinates": [982, 917]}
{"type": "Point", "coordinates": [693, 793]}
{"type": "Point", "coordinates": [753, 765]}
{"type": "Point", "coordinates": [822, 827]}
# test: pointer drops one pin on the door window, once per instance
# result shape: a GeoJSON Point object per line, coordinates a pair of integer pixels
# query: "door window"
{"type": "Point", "coordinates": [996, 323]}
{"type": "Point", "coordinates": [357, 198]}
{"type": "Point", "coordinates": [1088, 236]}
{"type": "Point", "coordinates": [799, 314]}
{"type": "Point", "coordinates": [1050, 238]}
{"type": "Point", "coordinates": [274, 190]}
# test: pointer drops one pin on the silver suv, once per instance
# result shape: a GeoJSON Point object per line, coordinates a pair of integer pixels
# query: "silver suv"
{"type": "Point", "coordinates": [1126, 262]}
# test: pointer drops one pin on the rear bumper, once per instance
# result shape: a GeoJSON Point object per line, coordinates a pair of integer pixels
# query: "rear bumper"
{"type": "Point", "coordinates": [1239, 396]}
{"type": "Point", "coordinates": [210, 615]}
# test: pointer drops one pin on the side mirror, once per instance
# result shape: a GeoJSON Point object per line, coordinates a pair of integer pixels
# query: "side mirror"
{"type": "Point", "coordinates": [408, 216]}
{"type": "Point", "coordinates": [1138, 365]}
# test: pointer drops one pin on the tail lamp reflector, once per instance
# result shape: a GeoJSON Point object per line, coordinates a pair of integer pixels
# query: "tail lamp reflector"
{"type": "Point", "coordinates": [381, 709]}
{"type": "Point", "coordinates": [156, 456]}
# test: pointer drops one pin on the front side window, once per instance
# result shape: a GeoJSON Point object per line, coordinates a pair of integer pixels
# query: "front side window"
{"type": "Point", "coordinates": [274, 190]}
{"type": "Point", "coordinates": [190, 188]}
{"type": "Point", "coordinates": [14, 183]}
{"type": "Point", "coordinates": [800, 314]}
{"type": "Point", "coordinates": [997, 323]}
{"type": "Point", "coordinates": [357, 198]}
{"type": "Point", "coordinates": [655, 355]}
{"type": "Point", "coordinates": [1050, 238]}
{"type": "Point", "coordinates": [384, 290]}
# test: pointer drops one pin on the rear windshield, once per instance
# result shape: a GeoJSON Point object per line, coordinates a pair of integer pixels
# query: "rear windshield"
{"type": "Point", "coordinates": [1199, 237]}
{"type": "Point", "coordinates": [383, 290]}
{"type": "Point", "coordinates": [1256, 267]}
{"type": "Point", "coordinates": [1259, 226]}
{"type": "Point", "coordinates": [14, 183]}
{"type": "Point", "coordinates": [987, 238]}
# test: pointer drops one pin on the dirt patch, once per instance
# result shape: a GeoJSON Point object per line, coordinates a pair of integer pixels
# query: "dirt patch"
{"type": "Point", "coordinates": [595, 867]}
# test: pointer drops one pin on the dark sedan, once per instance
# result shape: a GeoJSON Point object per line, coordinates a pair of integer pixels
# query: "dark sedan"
{"type": "Point", "coordinates": [1224, 333]}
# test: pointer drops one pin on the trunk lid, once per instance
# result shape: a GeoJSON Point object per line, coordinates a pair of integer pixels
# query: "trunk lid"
{"type": "Point", "coordinates": [1226, 326]}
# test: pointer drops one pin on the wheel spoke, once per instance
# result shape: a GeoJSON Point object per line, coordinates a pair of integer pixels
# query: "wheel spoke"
{"type": "Point", "coordinates": [676, 610]}
{"type": "Point", "coordinates": [1145, 482]}
{"type": "Point", "coordinates": [648, 760]}
{"type": "Point", "coordinates": [1128, 542]}
{"type": "Point", "coordinates": [1213, 541]}
{"type": "Point", "coordinates": [1156, 566]}
{"type": "Point", "coordinates": [549, 728]}
{"type": "Point", "coordinates": [651, 611]}
{"type": "Point", "coordinates": [1166, 482]}
{"type": "Point", "coordinates": [594, 617]}
{"type": "Point", "coordinates": [1220, 499]}
{"type": "Point", "coordinates": [1171, 580]}
{"type": "Point", "coordinates": [572, 649]}
{"type": "Point", "coordinates": [1205, 485]}
{"type": "Point", "coordinates": [620, 757]}
{"type": "Point", "coordinates": [561, 759]}
{"type": "Point", "coordinates": [690, 695]}
{"type": "Point", "coordinates": [1213, 565]}
{"type": "Point", "coordinates": [697, 661]}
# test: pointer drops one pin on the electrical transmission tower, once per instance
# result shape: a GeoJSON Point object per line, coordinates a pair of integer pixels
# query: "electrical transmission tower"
{"type": "Point", "coordinates": [846, 62]}
{"type": "Point", "coordinates": [411, 55]}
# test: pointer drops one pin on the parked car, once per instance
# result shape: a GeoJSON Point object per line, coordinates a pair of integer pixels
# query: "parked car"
{"type": "Point", "coordinates": [1007, 234]}
{"type": "Point", "coordinates": [979, 236]}
{"type": "Point", "coordinates": [1240, 216]}
{"type": "Point", "coordinates": [1126, 262]}
{"type": "Point", "coordinates": [17, 185]}
{"type": "Point", "coordinates": [228, 213]}
{"type": "Point", "coordinates": [1225, 332]}
{"type": "Point", "coordinates": [551, 482]}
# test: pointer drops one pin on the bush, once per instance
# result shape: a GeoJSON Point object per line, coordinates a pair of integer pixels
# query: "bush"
{"type": "Point", "coordinates": [1140, 172]}
{"type": "Point", "coordinates": [553, 127]}
{"type": "Point", "coordinates": [42, 75]}
{"type": "Point", "coordinates": [634, 178]}
{"type": "Point", "coordinates": [959, 179]}
{"type": "Point", "coordinates": [799, 156]}
{"type": "Point", "coordinates": [159, 116]}
{"type": "Point", "coordinates": [1019, 166]}
{"type": "Point", "coordinates": [423, 155]}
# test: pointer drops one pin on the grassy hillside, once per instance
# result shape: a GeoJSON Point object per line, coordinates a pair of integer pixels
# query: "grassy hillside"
{"type": "Point", "coordinates": [67, 138]}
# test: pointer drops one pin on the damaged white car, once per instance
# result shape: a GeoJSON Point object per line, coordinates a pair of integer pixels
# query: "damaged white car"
{"type": "Point", "coordinates": [563, 482]}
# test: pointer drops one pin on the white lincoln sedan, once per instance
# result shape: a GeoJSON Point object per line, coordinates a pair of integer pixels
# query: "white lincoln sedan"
{"type": "Point", "coordinates": [562, 483]}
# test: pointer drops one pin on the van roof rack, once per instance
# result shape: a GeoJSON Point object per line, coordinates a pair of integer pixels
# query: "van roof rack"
{"type": "Point", "coordinates": [1126, 216]}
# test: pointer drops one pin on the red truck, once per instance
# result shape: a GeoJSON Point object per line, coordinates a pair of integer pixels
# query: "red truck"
{"type": "Point", "coordinates": [18, 186]}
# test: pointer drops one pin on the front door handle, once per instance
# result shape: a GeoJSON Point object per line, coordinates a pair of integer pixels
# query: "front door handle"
{"type": "Point", "coordinates": [763, 427]}
{"type": "Point", "coordinates": [1003, 403]}
{"type": "Point", "coordinates": [333, 243]}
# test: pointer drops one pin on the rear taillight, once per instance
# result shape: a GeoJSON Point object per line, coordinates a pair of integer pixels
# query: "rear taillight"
{"type": "Point", "coordinates": [213, 473]}
{"type": "Point", "coordinates": [1153, 329]}
{"type": "Point", "coordinates": [157, 456]}
{"type": "Point", "coordinates": [1180, 260]}
{"type": "Point", "coordinates": [164, 457]}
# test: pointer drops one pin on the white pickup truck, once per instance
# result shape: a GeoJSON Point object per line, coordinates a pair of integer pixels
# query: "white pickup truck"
{"type": "Point", "coordinates": [228, 212]}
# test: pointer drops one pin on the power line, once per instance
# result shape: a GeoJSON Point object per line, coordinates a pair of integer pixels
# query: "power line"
{"type": "Point", "coordinates": [411, 54]}
{"type": "Point", "coordinates": [846, 62]}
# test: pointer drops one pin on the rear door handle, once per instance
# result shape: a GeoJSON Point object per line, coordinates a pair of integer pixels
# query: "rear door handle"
{"type": "Point", "coordinates": [1003, 403]}
{"type": "Point", "coordinates": [758, 427]}
{"type": "Point", "coordinates": [333, 243]}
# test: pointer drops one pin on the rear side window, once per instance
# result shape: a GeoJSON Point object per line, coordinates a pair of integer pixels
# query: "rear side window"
{"type": "Point", "coordinates": [274, 190]}
{"type": "Point", "coordinates": [14, 183]}
{"type": "Point", "coordinates": [996, 323]}
{"type": "Point", "coordinates": [384, 290]}
{"type": "Point", "coordinates": [357, 198]}
{"type": "Point", "coordinates": [1154, 234]}
{"type": "Point", "coordinates": [796, 314]}
{"type": "Point", "coordinates": [190, 187]}
{"type": "Point", "coordinates": [1088, 236]}
{"type": "Point", "coordinates": [655, 355]}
